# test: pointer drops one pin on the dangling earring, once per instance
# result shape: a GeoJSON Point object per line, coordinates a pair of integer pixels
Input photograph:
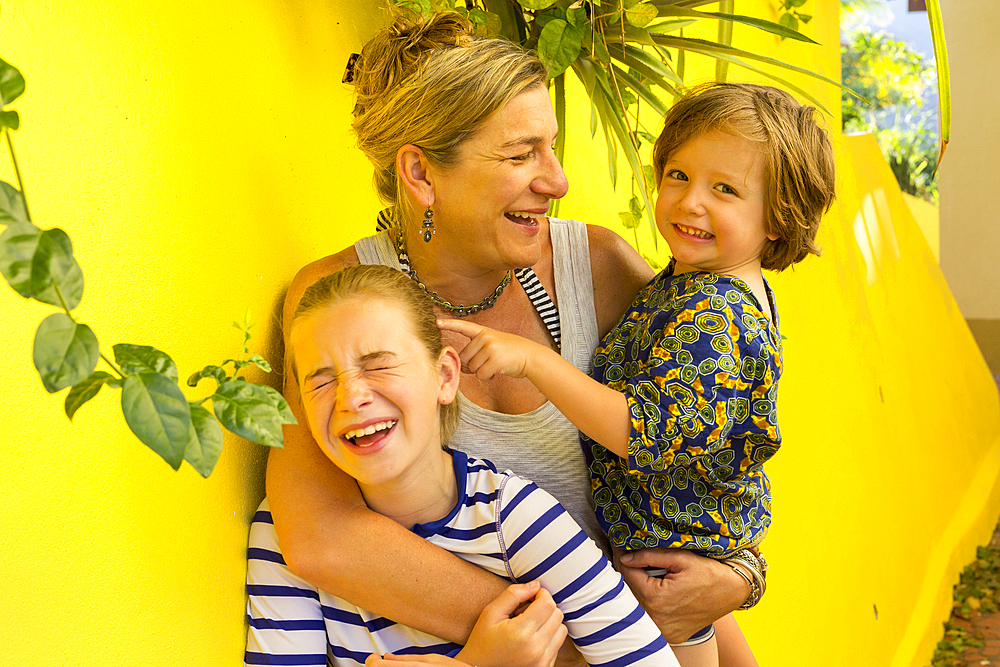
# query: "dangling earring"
{"type": "Point", "coordinates": [428, 225]}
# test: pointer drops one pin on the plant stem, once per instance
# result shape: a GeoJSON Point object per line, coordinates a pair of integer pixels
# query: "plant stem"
{"type": "Point", "coordinates": [17, 172]}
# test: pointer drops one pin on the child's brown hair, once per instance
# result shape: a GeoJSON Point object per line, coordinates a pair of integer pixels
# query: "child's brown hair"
{"type": "Point", "coordinates": [798, 154]}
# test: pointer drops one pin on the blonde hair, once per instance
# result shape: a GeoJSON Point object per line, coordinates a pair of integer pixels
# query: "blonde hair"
{"type": "Point", "coordinates": [798, 156]}
{"type": "Point", "coordinates": [432, 83]}
{"type": "Point", "coordinates": [389, 285]}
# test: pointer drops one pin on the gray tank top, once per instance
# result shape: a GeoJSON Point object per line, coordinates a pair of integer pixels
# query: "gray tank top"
{"type": "Point", "coordinates": [541, 445]}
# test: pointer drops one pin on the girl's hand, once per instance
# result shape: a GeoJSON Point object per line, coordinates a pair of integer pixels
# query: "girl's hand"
{"type": "Point", "coordinates": [390, 660]}
{"type": "Point", "coordinates": [490, 352]}
{"type": "Point", "coordinates": [530, 638]}
{"type": "Point", "coordinates": [694, 592]}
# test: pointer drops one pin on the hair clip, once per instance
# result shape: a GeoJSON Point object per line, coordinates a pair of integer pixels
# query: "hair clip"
{"type": "Point", "coordinates": [349, 71]}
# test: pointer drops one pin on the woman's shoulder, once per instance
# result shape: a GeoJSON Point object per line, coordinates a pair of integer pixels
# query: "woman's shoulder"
{"type": "Point", "coordinates": [618, 272]}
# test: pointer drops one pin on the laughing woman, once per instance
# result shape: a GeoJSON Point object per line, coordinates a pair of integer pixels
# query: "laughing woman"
{"type": "Point", "coordinates": [460, 132]}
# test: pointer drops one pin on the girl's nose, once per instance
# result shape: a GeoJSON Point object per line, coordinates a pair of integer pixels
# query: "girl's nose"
{"type": "Point", "coordinates": [352, 393]}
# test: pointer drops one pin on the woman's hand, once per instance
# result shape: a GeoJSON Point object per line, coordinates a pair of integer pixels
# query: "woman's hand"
{"type": "Point", "coordinates": [530, 638]}
{"type": "Point", "coordinates": [490, 352]}
{"type": "Point", "coordinates": [694, 592]}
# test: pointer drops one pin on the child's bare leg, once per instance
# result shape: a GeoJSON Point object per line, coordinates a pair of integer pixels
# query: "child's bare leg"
{"type": "Point", "coordinates": [733, 648]}
{"type": "Point", "coordinates": [705, 654]}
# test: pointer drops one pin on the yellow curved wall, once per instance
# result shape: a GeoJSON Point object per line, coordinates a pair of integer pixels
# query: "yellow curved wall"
{"type": "Point", "coordinates": [198, 154]}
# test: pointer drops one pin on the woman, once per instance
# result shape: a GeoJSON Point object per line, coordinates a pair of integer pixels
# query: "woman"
{"type": "Point", "coordinates": [460, 132]}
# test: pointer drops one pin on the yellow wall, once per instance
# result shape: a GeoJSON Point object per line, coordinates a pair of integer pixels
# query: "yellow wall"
{"type": "Point", "coordinates": [198, 154]}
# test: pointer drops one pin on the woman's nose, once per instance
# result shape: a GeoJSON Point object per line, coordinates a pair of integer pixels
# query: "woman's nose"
{"type": "Point", "coordinates": [552, 181]}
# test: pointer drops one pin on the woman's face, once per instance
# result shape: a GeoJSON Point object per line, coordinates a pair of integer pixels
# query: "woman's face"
{"type": "Point", "coordinates": [369, 389]}
{"type": "Point", "coordinates": [487, 206]}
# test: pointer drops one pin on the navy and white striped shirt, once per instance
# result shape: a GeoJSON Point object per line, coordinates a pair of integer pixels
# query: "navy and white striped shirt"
{"type": "Point", "coordinates": [504, 524]}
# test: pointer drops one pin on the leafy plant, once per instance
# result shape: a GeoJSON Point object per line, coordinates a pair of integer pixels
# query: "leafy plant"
{"type": "Point", "coordinates": [39, 264]}
{"type": "Point", "coordinates": [893, 79]}
{"type": "Point", "coordinates": [791, 17]}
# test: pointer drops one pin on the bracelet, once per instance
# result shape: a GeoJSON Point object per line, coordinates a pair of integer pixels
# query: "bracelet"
{"type": "Point", "coordinates": [755, 563]}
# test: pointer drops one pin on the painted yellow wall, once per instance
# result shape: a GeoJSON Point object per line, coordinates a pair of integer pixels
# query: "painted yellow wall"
{"type": "Point", "coordinates": [199, 154]}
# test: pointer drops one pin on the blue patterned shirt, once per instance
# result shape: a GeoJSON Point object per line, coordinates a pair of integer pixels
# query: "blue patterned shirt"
{"type": "Point", "coordinates": [699, 362]}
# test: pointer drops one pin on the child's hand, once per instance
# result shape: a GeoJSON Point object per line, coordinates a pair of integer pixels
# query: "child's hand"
{"type": "Point", "coordinates": [530, 639]}
{"type": "Point", "coordinates": [491, 352]}
{"type": "Point", "coordinates": [390, 660]}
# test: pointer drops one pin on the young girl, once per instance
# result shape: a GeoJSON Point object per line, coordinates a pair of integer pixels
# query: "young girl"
{"type": "Point", "coordinates": [679, 417]}
{"type": "Point", "coordinates": [377, 390]}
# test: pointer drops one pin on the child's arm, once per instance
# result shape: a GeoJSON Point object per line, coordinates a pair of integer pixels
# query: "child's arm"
{"type": "Point", "coordinates": [600, 412]}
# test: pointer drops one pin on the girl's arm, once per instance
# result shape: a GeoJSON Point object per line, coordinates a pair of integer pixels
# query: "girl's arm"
{"type": "Point", "coordinates": [600, 412]}
{"type": "Point", "coordinates": [330, 538]}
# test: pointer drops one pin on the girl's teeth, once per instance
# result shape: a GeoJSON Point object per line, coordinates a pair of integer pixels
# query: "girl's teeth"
{"type": "Point", "coordinates": [381, 426]}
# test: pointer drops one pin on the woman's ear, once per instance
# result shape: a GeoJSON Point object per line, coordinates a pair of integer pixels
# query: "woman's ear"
{"type": "Point", "coordinates": [450, 366]}
{"type": "Point", "coordinates": [414, 169]}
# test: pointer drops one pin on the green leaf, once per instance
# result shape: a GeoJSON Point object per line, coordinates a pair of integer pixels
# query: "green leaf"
{"type": "Point", "coordinates": [767, 26]}
{"type": "Point", "coordinates": [64, 352]}
{"type": "Point", "coordinates": [12, 207]}
{"type": "Point", "coordinates": [719, 51]}
{"type": "Point", "coordinates": [260, 362]}
{"type": "Point", "coordinates": [158, 414]}
{"type": "Point", "coordinates": [85, 390]}
{"type": "Point", "coordinates": [943, 74]}
{"type": "Point", "coordinates": [252, 411]}
{"type": "Point", "coordinates": [805, 18]}
{"type": "Point", "coordinates": [477, 16]}
{"type": "Point", "coordinates": [577, 16]}
{"type": "Point", "coordinates": [641, 15]}
{"type": "Point", "coordinates": [216, 372]}
{"type": "Point", "coordinates": [629, 221]}
{"type": "Point", "coordinates": [725, 36]}
{"type": "Point", "coordinates": [535, 5]}
{"type": "Point", "coordinates": [644, 92]}
{"type": "Point", "coordinates": [17, 251]}
{"type": "Point", "coordinates": [635, 207]}
{"type": "Point", "coordinates": [10, 119]}
{"type": "Point", "coordinates": [136, 359]}
{"type": "Point", "coordinates": [54, 265]}
{"type": "Point", "coordinates": [789, 21]}
{"type": "Point", "coordinates": [34, 261]}
{"type": "Point", "coordinates": [795, 3]}
{"type": "Point", "coordinates": [204, 440]}
{"type": "Point", "coordinates": [559, 45]}
{"type": "Point", "coordinates": [11, 83]}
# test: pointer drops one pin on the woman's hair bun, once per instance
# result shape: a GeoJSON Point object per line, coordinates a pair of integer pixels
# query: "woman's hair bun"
{"type": "Point", "coordinates": [396, 52]}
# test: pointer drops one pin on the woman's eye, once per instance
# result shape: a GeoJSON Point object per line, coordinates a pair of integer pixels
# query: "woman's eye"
{"type": "Point", "coordinates": [521, 158]}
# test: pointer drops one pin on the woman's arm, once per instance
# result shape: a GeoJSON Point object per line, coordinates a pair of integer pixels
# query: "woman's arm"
{"type": "Point", "coordinates": [330, 538]}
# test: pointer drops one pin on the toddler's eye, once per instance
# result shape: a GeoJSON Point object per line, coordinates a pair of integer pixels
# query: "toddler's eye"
{"type": "Point", "coordinates": [725, 189]}
{"type": "Point", "coordinates": [677, 174]}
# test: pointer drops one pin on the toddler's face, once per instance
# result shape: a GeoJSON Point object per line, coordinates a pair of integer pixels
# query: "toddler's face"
{"type": "Point", "coordinates": [711, 204]}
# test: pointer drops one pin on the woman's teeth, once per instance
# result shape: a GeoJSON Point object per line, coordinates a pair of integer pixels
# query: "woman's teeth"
{"type": "Point", "coordinates": [527, 217]}
{"type": "Point", "coordinates": [368, 430]}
